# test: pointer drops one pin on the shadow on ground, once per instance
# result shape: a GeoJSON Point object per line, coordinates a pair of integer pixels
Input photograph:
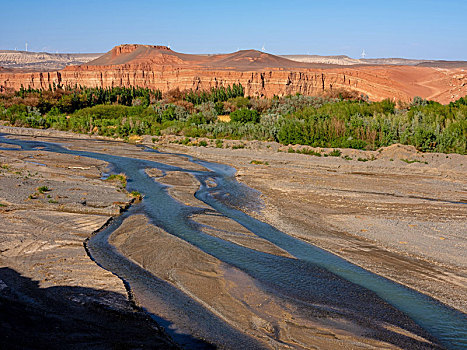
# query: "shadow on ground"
{"type": "Point", "coordinates": [71, 317]}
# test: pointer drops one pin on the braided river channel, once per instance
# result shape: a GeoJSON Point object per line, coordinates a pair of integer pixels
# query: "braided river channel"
{"type": "Point", "coordinates": [308, 277]}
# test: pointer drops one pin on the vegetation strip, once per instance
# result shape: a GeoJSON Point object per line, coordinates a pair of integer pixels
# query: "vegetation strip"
{"type": "Point", "coordinates": [341, 119]}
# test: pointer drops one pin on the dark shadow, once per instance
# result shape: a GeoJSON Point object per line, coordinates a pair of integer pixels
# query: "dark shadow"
{"type": "Point", "coordinates": [71, 317]}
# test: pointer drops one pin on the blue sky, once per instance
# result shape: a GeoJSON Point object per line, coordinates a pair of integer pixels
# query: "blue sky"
{"type": "Point", "coordinates": [410, 28]}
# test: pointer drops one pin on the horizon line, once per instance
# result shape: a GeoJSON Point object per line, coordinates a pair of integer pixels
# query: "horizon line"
{"type": "Point", "coordinates": [252, 49]}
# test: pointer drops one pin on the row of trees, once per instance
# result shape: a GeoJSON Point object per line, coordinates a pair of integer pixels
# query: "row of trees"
{"type": "Point", "coordinates": [306, 120]}
{"type": "Point", "coordinates": [68, 100]}
{"type": "Point", "coordinates": [219, 94]}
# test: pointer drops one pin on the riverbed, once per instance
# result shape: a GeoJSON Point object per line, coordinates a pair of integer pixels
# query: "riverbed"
{"type": "Point", "coordinates": [204, 255]}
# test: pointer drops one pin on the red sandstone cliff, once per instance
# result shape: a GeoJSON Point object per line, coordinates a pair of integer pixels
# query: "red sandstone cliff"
{"type": "Point", "coordinates": [261, 74]}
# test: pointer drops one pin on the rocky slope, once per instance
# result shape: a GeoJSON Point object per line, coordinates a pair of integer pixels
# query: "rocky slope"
{"type": "Point", "coordinates": [261, 74]}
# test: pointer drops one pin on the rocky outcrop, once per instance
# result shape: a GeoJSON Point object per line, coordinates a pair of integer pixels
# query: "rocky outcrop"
{"type": "Point", "coordinates": [158, 67]}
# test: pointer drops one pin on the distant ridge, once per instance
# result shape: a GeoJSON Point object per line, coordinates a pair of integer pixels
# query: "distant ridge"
{"type": "Point", "coordinates": [162, 55]}
{"type": "Point", "coordinates": [343, 60]}
{"type": "Point", "coordinates": [43, 61]}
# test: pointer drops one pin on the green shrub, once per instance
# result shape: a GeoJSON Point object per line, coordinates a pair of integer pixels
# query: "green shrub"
{"type": "Point", "coordinates": [310, 152]}
{"type": "Point", "coordinates": [240, 102]}
{"type": "Point", "coordinates": [244, 116]}
{"type": "Point", "coordinates": [136, 195]}
{"type": "Point", "coordinates": [258, 162]}
{"type": "Point", "coordinates": [43, 189]}
{"type": "Point", "coordinates": [118, 177]}
{"type": "Point", "coordinates": [335, 153]}
{"type": "Point", "coordinates": [196, 119]}
{"type": "Point", "coordinates": [411, 161]}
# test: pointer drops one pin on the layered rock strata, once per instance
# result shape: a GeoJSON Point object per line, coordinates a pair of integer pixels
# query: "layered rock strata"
{"type": "Point", "coordinates": [261, 74]}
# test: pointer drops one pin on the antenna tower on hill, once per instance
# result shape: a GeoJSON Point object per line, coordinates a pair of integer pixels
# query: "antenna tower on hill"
{"type": "Point", "coordinates": [363, 53]}
{"type": "Point", "coordinates": [26, 47]}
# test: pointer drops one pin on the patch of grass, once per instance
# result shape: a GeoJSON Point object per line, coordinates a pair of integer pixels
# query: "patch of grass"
{"type": "Point", "coordinates": [411, 161]}
{"type": "Point", "coordinates": [258, 162]}
{"type": "Point", "coordinates": [2, 205]}
{"type": "Point", "coordinates": [5, 167]}
{"type": "Point", "coordinates": [118, 177]}
{"type": "Point", "coordinates": [53, 201]}
{"type": "Point", "coordinates": [239, 146]}
{"type": "Point", "coordinates": [136, 194]}
{"type": "Point", "coordinates": [43, 189]}
{"type": "Point", "coordinates": [366, 159]}
{"type": "Point", "coordinates": [347, 157]}
{"type": "Point", "coordinates": [153, 140]}
{"type": "Point", "coordinates": [202, 143]}
{"type": "Point", "coordinates": [308, 152]}
{"type": "Point", "coordinates": [219, 143]}
{"type": "Point", "coordinates": [185, 141]}
{"type": "Point", "coordinates": [335, 153]}
{"type": "Point", "coordinates": [33, 196]}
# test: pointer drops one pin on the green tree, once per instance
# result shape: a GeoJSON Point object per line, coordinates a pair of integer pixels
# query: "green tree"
{"type": "Point", "coordinates": [244, 116]}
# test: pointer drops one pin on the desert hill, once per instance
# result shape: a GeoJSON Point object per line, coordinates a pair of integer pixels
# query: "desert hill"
{"type": "Point", "coordinates": [261, 74]}
{"type": "Point", "coordinates": [343, 60]}
{"type": "Point", "coordinates": [43, 61]}
{"type": "Point", "coordinates": [162, 55]}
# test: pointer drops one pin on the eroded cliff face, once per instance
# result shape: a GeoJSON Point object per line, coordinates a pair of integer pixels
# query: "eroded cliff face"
{"type": "Point", "coordinates": [163, 71]}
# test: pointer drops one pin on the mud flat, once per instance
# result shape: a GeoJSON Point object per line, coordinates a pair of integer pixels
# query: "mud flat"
{"type": "Point", "coordinates": [399, 220]}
